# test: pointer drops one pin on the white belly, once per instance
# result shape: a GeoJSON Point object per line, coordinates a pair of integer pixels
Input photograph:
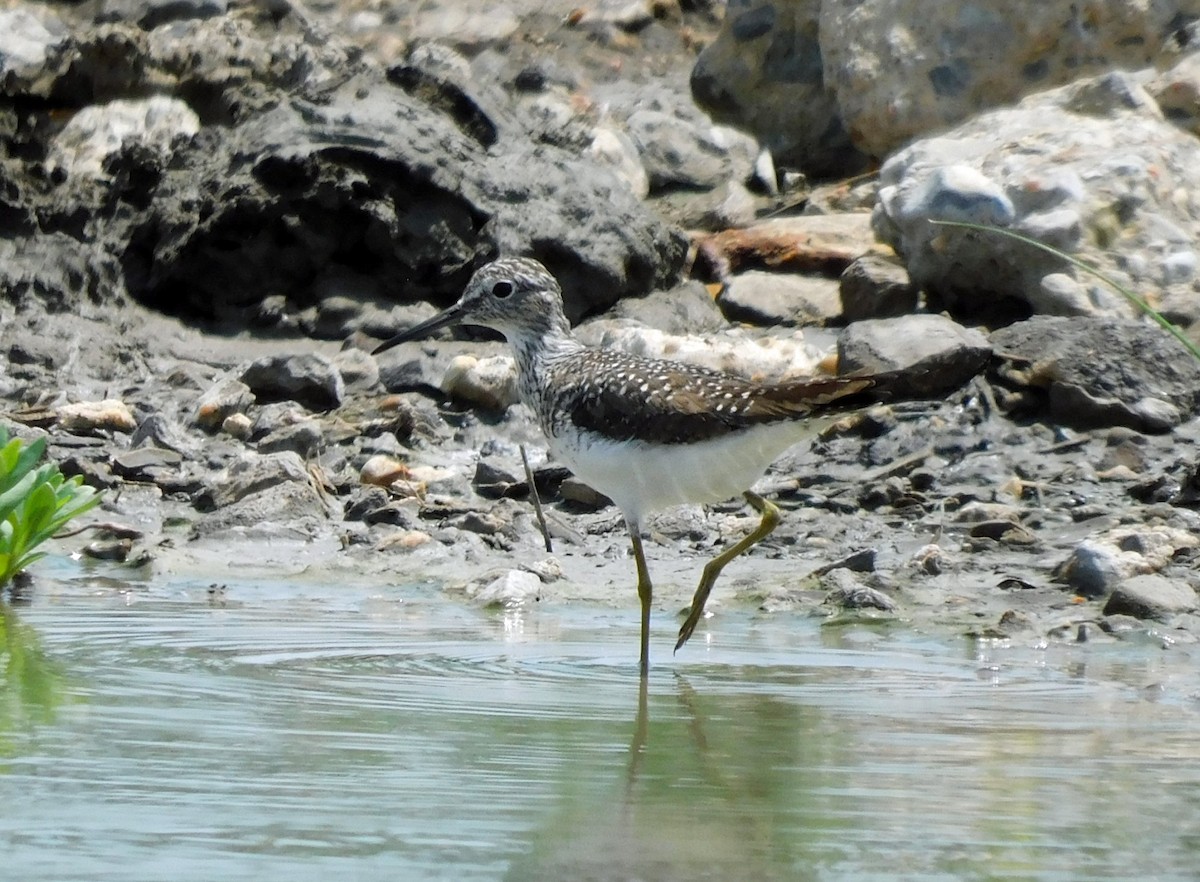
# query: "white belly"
{"type": "Point", "coordinates": [641, 478]}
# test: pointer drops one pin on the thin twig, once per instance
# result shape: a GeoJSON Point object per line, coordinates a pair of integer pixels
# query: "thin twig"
{"type": "Point", "coordinates": [537, 502]}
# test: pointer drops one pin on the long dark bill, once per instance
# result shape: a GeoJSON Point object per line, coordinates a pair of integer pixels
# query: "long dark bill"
{"type": "Point", "coordinates": [451, 316]}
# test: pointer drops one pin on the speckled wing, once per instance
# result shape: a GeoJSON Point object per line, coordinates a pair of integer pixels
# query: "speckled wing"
{"type": "Point", "coordinates": [664, 402]}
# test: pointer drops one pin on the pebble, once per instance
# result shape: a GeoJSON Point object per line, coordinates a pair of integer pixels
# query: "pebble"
{"type": "Point", "coordinates": [383, 471]}
{"type": "Point", "coordinates": [237, 425]}
{"type": "Point", "coordinates": [109, 415]}
{"type": "Point", "coordinates": [227, 397]}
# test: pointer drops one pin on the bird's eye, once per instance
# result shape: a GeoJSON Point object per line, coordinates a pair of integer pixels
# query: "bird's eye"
{"type": "Point", "coordinates": [500, 290]}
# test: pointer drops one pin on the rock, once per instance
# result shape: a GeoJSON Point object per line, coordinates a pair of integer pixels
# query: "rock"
{"type": "Point", "coordinates": [846, 591]}
{"type": "Point", "coordinates": [615, 150]}
{"type": "Point", "coordinates": [251, 474]}
{"type": "Point", "coordinates": [1099, 372]}
{"type": "Point", "coordinates": [383, 471]}
{"type": "Point", "coordinates": [358, 370]}
{"type": "Point", "coordinates": [488, 523]}
{"type": "Point", "coordinates": [874, 286]}
{"type": "Point", "coordinates": [308, 158]}
{"type": "Point", "coordinates": [110, 549]}
{"type": "Point", "coordinates": [575, 491]}
{"type": "Point", "coordinates": [150, 14]}
{"type": "Point", "coordinates": [549, 570]}
{"type": "Point", "coordinates": [1064, 174]}
{"type": "Point", "coordinates": [823, 82]}
{"type": "Point", "coordinates": [732, 205]}
{"type": "Point", "coordinates": [237, 425]}
{"type": "Point", "coordinates": [465, 26]}
{"type": "Point", "coordinates": [823, 244]}
{"type": "Point", "coordinates": [285, 511]}
{"type": "Point", "coordinates": [159, 431]}
{"type": "Point", "coordinates": [771, 299]}
{"type": "Point", "coordinates": [1177, 92]}
{"type": "Point", "coordinates": [933, 353]}
{"type": "Point", "coordinates": [109, 415]}
{"type": "Point", "coordinates": [513, 589]}
{"type": "Point", "coordinates": [143, 463]}
{"type": "Point", "coordinates": [487, 382]}
{"type": "Point", "coordinates": [685, 309]}
{"type": "Point", "coordinates": [303, 437]}
{"type": "Point", "coordinates": [310, 379]}
{"type": "Point", "coordinates": [1098, 565]}
{"type": "Point", "coordinates": [494, 482]}
{"type": "Point", "coordinates": [681, 150]}
{"type": "Point", "coordinates": [1151, 597]}
{"type": "Point", "coordinates": [34, 41]}
{"type": "Point", "coordinates": [987, 58]}
{"type": "Point", "coordinates": [765, 73]}
{"type": "Point", "coordinates": [101, 130]}
{"type": "Point", "coordinates": [227, 397]}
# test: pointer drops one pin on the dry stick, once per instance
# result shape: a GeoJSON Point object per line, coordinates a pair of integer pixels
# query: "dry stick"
{"type": "Point", "coordinates": [537, 502]}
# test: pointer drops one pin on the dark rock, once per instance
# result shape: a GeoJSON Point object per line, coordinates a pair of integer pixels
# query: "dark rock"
{"type": "Point", "coordinates": [930, 354]}
{"type": "Point", "coordinates": [303, 437]}
{"type": "Point", "coordinates": [580, 494]}
{"type": "Point", "coordinates": [111, 549]}
{"type": "Point", "coordinates": [873, 286]}
{"type": "Point", "coordinates": [496, 483]}
{"type": "Point", "coordinates": [1087, 371]}
{"type": "Point", "coordinates": [310, 379]}
{"type": "Point", "coordinates": [309, 161]}
{"type": "Point", "coordinates": [764, 74]}
{"type": "Point", "coordinates": [159, 431]}
{"type": "Point", "coordinates": [149, 14]}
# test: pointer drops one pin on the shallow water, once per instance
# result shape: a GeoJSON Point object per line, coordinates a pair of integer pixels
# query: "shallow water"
{"type": "Point", "coordinates": [314, 731]}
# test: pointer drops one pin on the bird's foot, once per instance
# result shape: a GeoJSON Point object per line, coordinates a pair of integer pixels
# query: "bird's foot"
{"type": "Point", "coordinates": [695, 614]}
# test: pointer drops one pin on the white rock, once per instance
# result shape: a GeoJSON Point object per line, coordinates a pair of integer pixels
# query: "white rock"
{"type": "Point", "coordinates": [98, 131]}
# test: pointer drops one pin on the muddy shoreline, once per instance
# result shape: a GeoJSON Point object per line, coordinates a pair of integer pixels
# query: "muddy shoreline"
{"type": "Point", "coordinates": [241, 428]}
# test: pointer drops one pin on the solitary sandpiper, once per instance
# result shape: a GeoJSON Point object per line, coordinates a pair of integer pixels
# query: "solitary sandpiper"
{"type": "Point", "coordinates": [648, 433]}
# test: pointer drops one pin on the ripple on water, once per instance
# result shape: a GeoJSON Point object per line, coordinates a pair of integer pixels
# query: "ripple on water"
{"type": "Point", "coordinates": [336, 730]}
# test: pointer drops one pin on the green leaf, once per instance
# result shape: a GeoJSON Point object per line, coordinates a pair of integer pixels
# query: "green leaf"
{"type": "Point", "coordinates": [17, 459]}
{"type": "Point", "coordinates": [34, 502]}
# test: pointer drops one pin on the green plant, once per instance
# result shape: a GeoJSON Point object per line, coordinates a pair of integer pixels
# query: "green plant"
{"type": "Point", "coordinates": [1155, 316]}
{"type": "Point", "coordinates": [35, 501]}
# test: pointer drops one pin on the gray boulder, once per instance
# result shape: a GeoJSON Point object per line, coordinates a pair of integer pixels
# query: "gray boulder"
{"type": "Point", "coordinates": [1079, 168]}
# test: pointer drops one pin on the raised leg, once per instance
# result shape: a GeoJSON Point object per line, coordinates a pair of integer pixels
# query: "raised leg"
{"type": "Point", "coordinates": [770, 520]}
{"type": "Point", "coordinates": [645, 593]}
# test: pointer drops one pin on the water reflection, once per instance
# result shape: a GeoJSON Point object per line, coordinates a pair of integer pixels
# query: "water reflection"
{"type": "Point", "coordinates": [317, 732]}
{"type": "Point", "coordinates": [32, 688]}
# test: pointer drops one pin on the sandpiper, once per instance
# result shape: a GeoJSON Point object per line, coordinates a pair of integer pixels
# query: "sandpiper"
{"type": "Point", "coordinates": [648, 433]}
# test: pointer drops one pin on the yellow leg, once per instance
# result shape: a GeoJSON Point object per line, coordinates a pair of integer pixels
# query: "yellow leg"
{"type": "Point", "coordinates": [770, 520]}
{"type": "Point", "coordinates": [645, 594]}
